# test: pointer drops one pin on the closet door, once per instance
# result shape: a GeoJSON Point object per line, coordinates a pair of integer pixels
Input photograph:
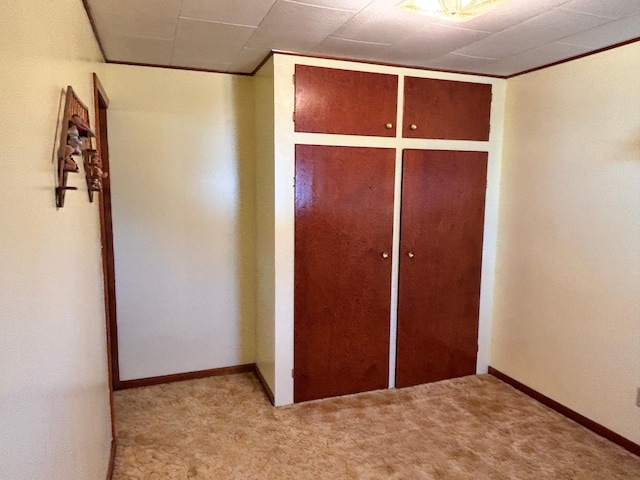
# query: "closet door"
{"type": "Point", "coordinates": [343, 238]}
{"type": "Point", "coordinates": [442, 218]}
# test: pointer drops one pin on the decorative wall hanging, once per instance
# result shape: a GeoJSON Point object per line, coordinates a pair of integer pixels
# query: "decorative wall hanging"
{"type": "Point", "coordinates": [93, 171]}
{"type": "Point", "coordinates": [75, 140]}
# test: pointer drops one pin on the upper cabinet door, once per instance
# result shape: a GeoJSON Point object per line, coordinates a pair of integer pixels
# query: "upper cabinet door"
{"type": "Point", "coordinates": [443, 109]}
{"type": "Point", "coordinates": [345, 102]}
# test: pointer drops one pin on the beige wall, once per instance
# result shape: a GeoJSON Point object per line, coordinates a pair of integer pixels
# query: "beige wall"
{"type": "Point", "coordinates": [567, 319]}
{"type": "Point", "coordinates": [263, 83]}
{"type": "Point", "coordinates": [54, 403]}
{"type": "Point", "coordinates": [181, 152]}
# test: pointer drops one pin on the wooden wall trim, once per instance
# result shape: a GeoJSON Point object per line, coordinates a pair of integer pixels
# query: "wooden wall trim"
{"type": "Point", "coordinates": [87, 9]}
{"type": "Point", "coordinates": [576, 57]}
{"type": "Point", "coordinates": [179, 377]}
{"type": "Point", "coordinates": [265, 386]}
{"type": "Point", "coordinates": [368, 62]}
{"type": "Point", "coordinates": [385, 64]}
{"type": "Point", "coordinates": [112, 459]}
{"type": "Point", "coordinates": [99, 88]}
{"type": "Point", "coordinates": [261, 64]}
{"type": "Point", "coordinates": [304, 55]}
{"type": "Point", "coordinates": [101, 103]}
{"type": "Point", "coordinates": [215, 372]}
{"type": "Point", "coordinates": [567, 412]}
{"type": "Point", "coordinates": [173, 67]}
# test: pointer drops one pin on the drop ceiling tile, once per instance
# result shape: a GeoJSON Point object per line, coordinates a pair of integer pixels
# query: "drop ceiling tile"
{"type": "Point", "coordinates": [545, 28]}
{"type": "Point", "coordinates": [512, 13]}
{"type": "Point", "coordinates": [273, 41]}
{"type": "Point", "coordinates": [240, 12]}
{"type": "Point", "coordinates": [135, 18]}
{"type": "Point", "coordinates": [352, 5]}
{"type": "Point", "coordinates": [454, 61]}
{"type": "Point", "coordinates": [125, 48]}
{"type": "Point", "coordinates": [606, 8]}
{"type": "Point", "coordinates": [378, 25]}
{"type": "Point", "coordinates": [431, 42]}
{"type": "Point", "coordinates": [607, 34]}
{"type": "Point", "coordinates": [292, 26]}
{"type": "Point", "coordinates": [209, 42]}
{"type": "Point", "coordinates": [543, 55]}
{"type": "Point", "coordinates": [350, 49]}
{"type": "Point", "coordinates": [248, 59]}
{"type": "Point", "coordinates": [505, 16]}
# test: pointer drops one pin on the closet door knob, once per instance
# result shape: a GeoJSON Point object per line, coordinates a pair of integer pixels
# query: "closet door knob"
{"type": "Point", "coordinates": [413, 126]}
{"type": "Point", "coordinates": [410, 255]}
{"type": "Point", "coordinates": [385, 255]}
{"type": "Point", "coordinates": [389, 126]}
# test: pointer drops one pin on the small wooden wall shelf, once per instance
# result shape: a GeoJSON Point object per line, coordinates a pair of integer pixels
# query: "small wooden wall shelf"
{"type": "Point", "coordinates": [75, 137]}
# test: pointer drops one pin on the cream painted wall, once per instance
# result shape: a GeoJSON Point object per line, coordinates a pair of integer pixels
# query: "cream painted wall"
{"type": "Point", "coordinates": [263, 83]}
{"type": "Point", "coordinates": [183, 186]}
{"type": "Point", "coordinates": [54, 399]}
{"type": "Point", "coordinates": [567, 315]}
{"type": "Point", "coordinates": [285, 141]}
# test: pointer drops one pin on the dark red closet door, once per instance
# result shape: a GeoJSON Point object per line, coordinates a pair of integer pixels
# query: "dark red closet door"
{"type": "Point", "coordinates": [343, 236]}
{"type": "Point", "coordinates": [330, 100]}
{"type": "Point", "coordinates": [446, 109]}
{"type": "Point", "coordinates": [442, 222]}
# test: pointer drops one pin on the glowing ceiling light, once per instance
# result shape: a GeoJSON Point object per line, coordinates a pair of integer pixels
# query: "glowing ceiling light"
{"type": "Point", "coordinates": [457, 10]}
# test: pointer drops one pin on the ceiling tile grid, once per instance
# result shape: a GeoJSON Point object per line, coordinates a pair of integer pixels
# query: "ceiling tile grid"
{"type": "Point", "coordinates": [238, 12]}
{"type": "Point", "coordinates": [236, 35]}
{"type": "Point", "coordinates": [457, 62]}
{"type": "Point", "coordinates": [605, 8]}
{"type": "Point", "coordinates": [208, 42]}
{"type": "Point", "coordinates": [545, 28]}
{"type": "Point", "coordinates": [433, 41]}
{"type": "Point", "coordinates": [142, 18]}
{"type": "Point", "coordinates": [297, 26]}
{"type": "Point", "coordinates": [612, 33]}
{"type": "Point", "coordinates": [512, 13]}
{"type": "Point", "coordinates": [134, 49]}
{"type": "Point", "coordinates": [247, 59]}
{"type": "Point", "coordinates": [375, 24]}
{"type": "Point", "coordinates": [544, 54]}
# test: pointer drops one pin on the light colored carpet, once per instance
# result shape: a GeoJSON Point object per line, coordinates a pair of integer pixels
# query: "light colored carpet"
{"type": "Point", "coordinates": [469, 428]}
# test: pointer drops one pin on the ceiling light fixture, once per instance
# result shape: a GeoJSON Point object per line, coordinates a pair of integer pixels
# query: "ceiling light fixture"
{"type": "Point", "coordinates": [457, 10]}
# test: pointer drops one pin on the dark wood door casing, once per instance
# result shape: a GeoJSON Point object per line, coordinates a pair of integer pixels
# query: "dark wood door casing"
{"type": "Point", "coordinates": [343, 228]}
{"type": "Point", "coordinates": [442, 224]}
{"type": "Point", "coordinates": [345, 102]}
{"type": "Point", "coordinates": [101, 104]}
{"type": "Point", "coordinates": [444, 109]}
{"type": "Point", "coordinates": [108, 254]}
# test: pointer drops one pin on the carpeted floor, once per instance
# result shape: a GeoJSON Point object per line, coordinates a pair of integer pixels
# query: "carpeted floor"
{"type": "Point", "coordinates": [469, 428]}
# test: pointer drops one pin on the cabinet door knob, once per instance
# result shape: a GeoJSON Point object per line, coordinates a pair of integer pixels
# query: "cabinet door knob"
{"type": "Point", "coordinates": [410, 255]}
{"type": "Point", "coordinates": [389, 126]}
{"type": "Point", "coordinates": [385, 255]}
{"type": "Point", "coordinates": [414, 126]}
